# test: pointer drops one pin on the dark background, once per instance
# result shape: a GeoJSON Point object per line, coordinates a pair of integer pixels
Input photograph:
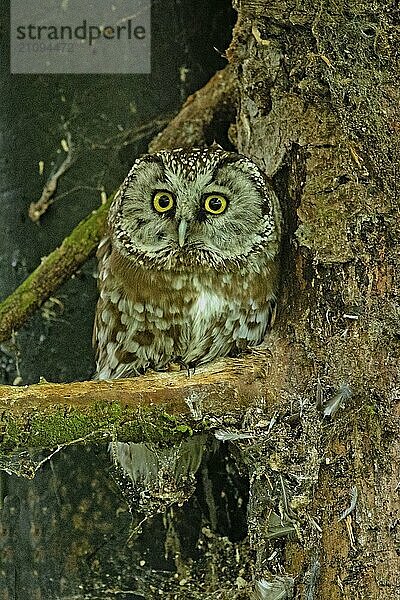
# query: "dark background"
{"type": "Point", "coordinates": [101, 113]}
{"type": "Point", "coordinates": [67, 532]}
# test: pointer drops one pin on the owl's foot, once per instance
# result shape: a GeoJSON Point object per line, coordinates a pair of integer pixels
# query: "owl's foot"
{"type": "Point", "coordinates": [192, 366]}
{"type": "Point", "coordinates": [178, 364]}
{"type": "Point", "coordinates": [174, 366]}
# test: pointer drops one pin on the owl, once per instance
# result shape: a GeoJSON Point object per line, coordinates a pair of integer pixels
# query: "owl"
{"type": "Point", "coordinates": [188, 270]}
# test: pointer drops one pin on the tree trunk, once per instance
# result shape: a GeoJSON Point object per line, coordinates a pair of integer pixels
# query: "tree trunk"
{"type": "Point", "coordinates": [319, 112]}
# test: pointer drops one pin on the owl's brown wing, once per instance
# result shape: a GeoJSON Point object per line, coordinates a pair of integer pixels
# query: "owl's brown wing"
{"type": "Point", "coordinates": [102, 254]}
{"type": "Point", "coordinates": [118, 320]}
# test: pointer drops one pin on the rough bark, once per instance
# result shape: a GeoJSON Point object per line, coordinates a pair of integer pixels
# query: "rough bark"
{"type": "Point", "coordinates": [319, 111]}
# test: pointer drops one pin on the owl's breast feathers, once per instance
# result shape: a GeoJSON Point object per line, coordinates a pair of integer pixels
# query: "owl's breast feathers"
{"type": "Point", "coordinates": [147, 318]}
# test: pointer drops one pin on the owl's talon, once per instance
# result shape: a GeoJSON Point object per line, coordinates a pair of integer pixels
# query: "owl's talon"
{"type": "Point", "coordinates": [183, 365]}
{"type": "Point", "coordinates": [192, 366]}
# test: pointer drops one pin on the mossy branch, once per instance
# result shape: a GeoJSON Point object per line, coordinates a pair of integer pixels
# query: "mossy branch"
{"type": "Point", "coordinates": [54, 269]}
{"type": "Point", "coordinates": [216, 99]}
{"type": "Point", "coordinates": [157, 407]}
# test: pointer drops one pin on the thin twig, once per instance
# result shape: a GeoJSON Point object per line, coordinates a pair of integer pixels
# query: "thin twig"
{"type": "Point", "coordinates": [37, 209]}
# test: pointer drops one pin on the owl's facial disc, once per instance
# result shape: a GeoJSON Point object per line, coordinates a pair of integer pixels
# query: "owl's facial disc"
{"type": "Point", "coordinates": [210, 204]}
{"type": "Point", "coordinates": [199, 207]}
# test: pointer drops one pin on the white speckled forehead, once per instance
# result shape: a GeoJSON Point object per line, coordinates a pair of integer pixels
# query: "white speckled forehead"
{"type": "Point", "coordinates": [192, 163]}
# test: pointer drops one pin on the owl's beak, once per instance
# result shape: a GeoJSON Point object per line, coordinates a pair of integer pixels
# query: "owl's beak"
{"type": "Point", "coordinates": [182, 232]}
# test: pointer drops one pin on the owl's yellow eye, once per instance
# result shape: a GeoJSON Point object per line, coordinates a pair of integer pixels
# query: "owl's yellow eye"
{"type": "Point", "coordinates": [215, 204]}
{"type": "Point", "coordinates": [163, 201]}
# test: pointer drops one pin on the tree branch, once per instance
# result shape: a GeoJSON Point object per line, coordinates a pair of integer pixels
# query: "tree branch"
{"type": "Point", "coordinates": [156, 407]}
{"type": "Point", "coordinates": [54, 269]}
{"type": "Point", "coordinates": [215, 100]}
{"type": "Point", "coordinates": [194, 124]}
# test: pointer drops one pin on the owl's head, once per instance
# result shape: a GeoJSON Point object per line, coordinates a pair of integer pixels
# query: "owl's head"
{"type": "Point", "coordinates": [195, 207]}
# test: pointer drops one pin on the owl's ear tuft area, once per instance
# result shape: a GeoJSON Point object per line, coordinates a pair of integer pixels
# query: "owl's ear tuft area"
{"type": "Point", "coordinates": [143, 161]}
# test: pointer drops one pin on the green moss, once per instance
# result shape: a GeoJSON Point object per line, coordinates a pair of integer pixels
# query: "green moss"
{"type": "Point", "coordinates": [372, 424]}
{"type": "Point", "coordinates": [56, 268]}
{"type": "Point", "coordinates": [100, 421]}
{"type": "Point", "coordinates": [156, 427]}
